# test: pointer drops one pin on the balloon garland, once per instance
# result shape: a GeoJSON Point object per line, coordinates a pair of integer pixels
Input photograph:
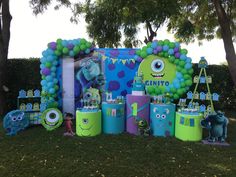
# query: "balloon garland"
{"type": "Point", "coordinates": [49, 62]}
{"type": "Point", "coordinates": [173, 52]}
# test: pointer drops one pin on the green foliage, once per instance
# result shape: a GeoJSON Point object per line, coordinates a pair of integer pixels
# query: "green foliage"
{"type": "Point", "coordinates": [22, 74]}
{"type": "Point", "coordinates": [198, 19]}
{"type": "Point", "coordinates": [108, 20]}
{"type": "Point", "coordinates": [25, 74]}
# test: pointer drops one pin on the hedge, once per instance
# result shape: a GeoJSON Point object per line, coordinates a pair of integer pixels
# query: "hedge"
{"type": "Point", "coordinates": [25, 74]}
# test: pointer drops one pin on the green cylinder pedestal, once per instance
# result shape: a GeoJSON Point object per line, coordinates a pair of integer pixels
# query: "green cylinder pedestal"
{"type": "Point", "coordinates": [88, 123]}
{"type": "Point", "coordinates": [188, 126]}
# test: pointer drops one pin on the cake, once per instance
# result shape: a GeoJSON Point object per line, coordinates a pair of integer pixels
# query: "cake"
{"type": "Point", "coordinates": [138, 85]}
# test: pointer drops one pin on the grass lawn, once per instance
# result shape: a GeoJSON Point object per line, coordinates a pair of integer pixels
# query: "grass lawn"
{"type": "Point", "coordinates": [36, 152]}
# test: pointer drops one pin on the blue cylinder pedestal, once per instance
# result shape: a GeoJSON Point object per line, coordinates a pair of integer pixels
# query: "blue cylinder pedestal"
{"type": "Point", "coordinates": [113, 118]}
{"type": "Point", "coordinates": [162, 119]}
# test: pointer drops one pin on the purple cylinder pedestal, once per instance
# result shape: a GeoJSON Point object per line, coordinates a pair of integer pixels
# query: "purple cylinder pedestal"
{"type": "Point", "coordinates": [137, 108]}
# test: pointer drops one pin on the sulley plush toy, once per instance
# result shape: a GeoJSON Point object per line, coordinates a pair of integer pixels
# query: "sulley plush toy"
{"type": "Point", "coordinates": [217, 126]}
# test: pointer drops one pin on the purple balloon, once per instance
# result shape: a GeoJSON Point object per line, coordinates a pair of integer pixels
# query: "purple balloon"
{"type": "Point", "coordinates": [176, 49]}
{"type": "Point", "coordinates": [177, 55]}
{"type": "Point", "coordinates": [159, 48]}
{"type": "Point", "coordinates": [70, 46]}
{"type": "Point", "coordinates": [53, 45]}
{"type": "Point", "coordinates": [46, 71]}
{"type": "Point", "coordinates": [155, 51]}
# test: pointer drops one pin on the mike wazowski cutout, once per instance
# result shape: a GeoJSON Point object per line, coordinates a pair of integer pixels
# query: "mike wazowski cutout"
{"type": "Point", "coordinates": [165, 68]}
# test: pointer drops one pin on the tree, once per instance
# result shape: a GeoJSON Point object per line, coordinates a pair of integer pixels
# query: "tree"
{"type": "Point", "coordinates": [5, 22]}
{"type": "Point", "coordinates": [108, 20]}
{"type": "Point", "coordinates": [204, 19]}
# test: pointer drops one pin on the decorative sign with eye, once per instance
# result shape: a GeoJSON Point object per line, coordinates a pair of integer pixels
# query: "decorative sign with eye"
{"type": "Point", "coordinates": [165, 67]}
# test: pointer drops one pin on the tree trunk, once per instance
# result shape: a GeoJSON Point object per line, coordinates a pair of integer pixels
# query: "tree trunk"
{"type": "Point", "coordinates": [5, 23]}
{"type": "Point", "coordinates": [227, 38]}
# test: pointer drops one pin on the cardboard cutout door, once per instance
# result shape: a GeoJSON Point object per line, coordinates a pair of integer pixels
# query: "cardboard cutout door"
{"type": "Point", "coordinates": [68, 85]}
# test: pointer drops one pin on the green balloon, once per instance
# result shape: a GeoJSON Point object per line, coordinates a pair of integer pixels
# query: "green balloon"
{"type": "Point", "coordinates": [88, 44]}
{"type": "Point", "coordinates": [160, 42]}
{"type": "Point", "coordinates": [157, 91]}
{"type": "Point", "coordinates": [172, 45]}
{"type": "Point", "coordinates": [149, 44]}
{"type": "Point", "coordinates": [76, 49]}
{"type": "Point", "coordinates": [65, 50]}
{"type": "Point", "coordinates": [150, 90]}
{"type": "Point", "coordinates": [179, 68]}
{"type": "Point", "coordinates": [180, 92]}
{"type": "Point", "coordinates": [161, 54]}
{"type": "Point", "coordinates": [138, 52]}
{"type": "Point", "coordinates": [166, 54]}
{"type": "Point", "coordinates": [83, 47]}
{"type": "Point", "coordinates": [183, 71]}
{"type": "Point", "coordinates": [59, 41]}
{"type": "Point", "coordinates": [166, 42]}
{"type": "Point", "coordinates": [186, 76]}
{"type": "Point", "coordinates": [143, 54]}
{"type": "Point", "coordinates": [182, 84]}
{"type": "Point", "coordinates": [182, 63]}
{"type": "Point", "coordinates": [188, 82]}
{"type": "Point", "coordinates": [83, 41]}
{"type": "Point", "coordinates": [190, 71]}
{"type": "Point", "coordinates": [56, 87]}
{"type": "Point", "coordinates": [43, 77]}
{"type": "Point", "coordinates": [183, 51]}
{"type": "Point", "coordinates": [171, 59]}
{"type": "Point", "coordinates": [176, 96]}
{"type": "Point", "coordinates": [173, 90]}
{"type": "Point", "coordinates": [48, 64]}
{"type": "Point", "coordinates": [57, 53]}
{"type": "Point", "coordinates": [144, 48]}
{"type": "Point", "coordinates": [176, 61]}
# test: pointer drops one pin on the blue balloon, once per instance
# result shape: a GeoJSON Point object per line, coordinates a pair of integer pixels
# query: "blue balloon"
{"type": "Point", "coordinates": [167, 88]}
{"type": "Point", "coordinates": [55, 81]}
{"type": "Point", "coordinates": [189, 60]}
{"type": "Point", "coordinates": [183, 57]}
{"type": "Point", "coordinates": [49, 78]}
{"type": "Point", "coordinates": [177, 85]}
{"type": "Point", "coordinates": [43, 82]}
{"type": "Point", "coordinates": [50, 51]}
{"type": "Point", "coordinates": [42, 66]}
{"type": "Point", "coordinates": [149, 51]}
{"type": "Point", "coordinates": [55, 63]}
{"type": "Point", "coordinates": [179, 75]}
{"type": "Point", "coordinates": [170, 51]}
{"type": "Point", "coordinates": [53, 74]}
{"type": "Point", "coordinates": [50, 58]}
{"type": "Point", "coordinates": [87, 51]}
{"type": "Point", "coordinates": [165, 48]}
{"type": "Point", "coordinates": [52, 90]}
{"type": "Point", "coordinates": [43, 60]}
{"type": "Point", "coordinates": [136, 57]}
{"type": "Point", "coordinates": [45, 53]}
{"type": "Point", "coordinates": [154, 44]}
{"type": "Point", "coordinates": [188, 66]}
{"type": "Point", "coordinates": [50, 84]}
{"type": "Point", "coordinates": [177, 44]}
{"type": "Point", "coordinates": [53, 68]}
{"type": "Point", "coordinates": [72, 54]}
{"type": "Point", "coordinates": [64, 43]}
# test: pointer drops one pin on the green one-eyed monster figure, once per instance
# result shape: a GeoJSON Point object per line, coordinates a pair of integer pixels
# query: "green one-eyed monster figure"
{"type": "Point", "coordinates": [92, 97]}
{"type": "Point", "coordinates": [157, 72]}
{"type": "Point", "coordinates": [143, 127]}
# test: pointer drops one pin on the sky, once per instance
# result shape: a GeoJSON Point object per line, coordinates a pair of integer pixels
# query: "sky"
{"type": "Point", "coordinates": [30, 34]}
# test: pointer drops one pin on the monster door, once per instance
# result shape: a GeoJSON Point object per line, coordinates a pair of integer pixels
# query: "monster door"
{"type": "Point", "coordinates": [68, 85]}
